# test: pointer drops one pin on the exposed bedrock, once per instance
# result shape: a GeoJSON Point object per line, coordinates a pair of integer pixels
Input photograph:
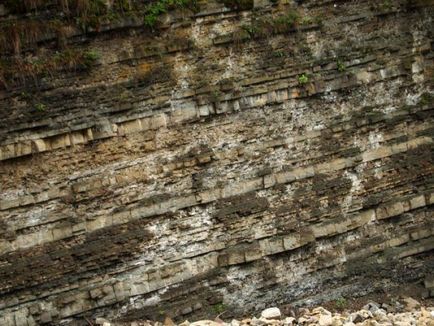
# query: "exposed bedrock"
{"type": "Point", "coordinates": [210, 165]}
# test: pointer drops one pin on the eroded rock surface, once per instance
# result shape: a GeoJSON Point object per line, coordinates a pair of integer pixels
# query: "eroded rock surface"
{"type": "Point", "coordinates": [220, 163]}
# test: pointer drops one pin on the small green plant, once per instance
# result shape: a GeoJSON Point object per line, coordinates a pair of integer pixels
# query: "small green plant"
{"type": "Point", "coordinates": [341, 66]}
{"type": "Point", "coordinates": [155, 10]}
{"type": "Point", "coordinates": [219, 308]}
{"type": "Point", "coordinates": [340, 303]}
{"type": "Point", "coordinates": [251, 30]}
{"type": "Point", "coordinates": [278, 54]}
{"type": "Point", "coordinates": [215, 96]}
{"type": "Point", "coordinates": [40, 107]}
{"type": "Point", "coordinates": [286, 22]}
{"type": "Point", "coordinates": [303, 79]}
{"type": "Point", "coordinates": [307, 20]}
{"type": "Point", "coordinates": [90, 57]}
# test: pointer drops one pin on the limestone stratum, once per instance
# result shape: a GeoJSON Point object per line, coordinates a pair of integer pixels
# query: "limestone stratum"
{"type": "Point", "coordinates": [183, 158]}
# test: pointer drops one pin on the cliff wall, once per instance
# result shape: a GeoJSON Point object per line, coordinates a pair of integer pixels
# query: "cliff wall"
{"type": "Point", "coordinates": [225, 157]}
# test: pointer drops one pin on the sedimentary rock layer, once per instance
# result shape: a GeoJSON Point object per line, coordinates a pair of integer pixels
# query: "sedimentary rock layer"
{"type": "Point", "coordinates": [213, 165]}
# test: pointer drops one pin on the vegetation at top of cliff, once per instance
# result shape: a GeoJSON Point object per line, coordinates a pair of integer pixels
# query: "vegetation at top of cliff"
{"type": "Point", "coordinates": [53, 22]}
{"type": "Point", "coordinates": [82, 8]}
{"type": "Point", "coordinates": [66, 8]}
{"type": "Point", "coordinates": [43, 20]}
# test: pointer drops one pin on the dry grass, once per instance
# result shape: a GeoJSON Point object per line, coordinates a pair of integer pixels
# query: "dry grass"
{"type": "Point", "coordinates": [38, 25]}
{"type": "Point", "coordinates": [25, 6]}
{"type": "Point", "coordinates": [17, 70]}
{"type": "Point", "coordinates": [17, 35]}
{"type": "Point", "coordinates": [52, 18]}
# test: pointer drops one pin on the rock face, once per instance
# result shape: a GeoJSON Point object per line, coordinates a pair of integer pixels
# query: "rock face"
{"type": "Point", "coordinates": [236, 159]}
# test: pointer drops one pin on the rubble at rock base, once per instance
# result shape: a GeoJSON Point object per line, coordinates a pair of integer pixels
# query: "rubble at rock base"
{"type": "Point", "coordinates": [372, 314]}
